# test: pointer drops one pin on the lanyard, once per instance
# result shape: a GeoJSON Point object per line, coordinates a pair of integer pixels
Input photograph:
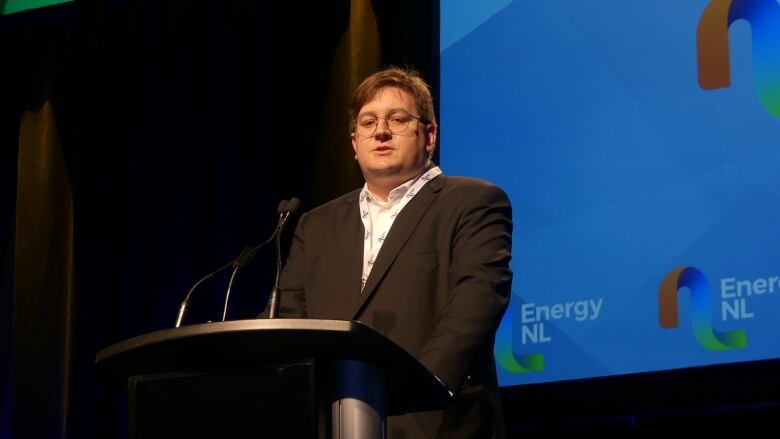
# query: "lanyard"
{"type": "Point", "coordinates": [368, 262]}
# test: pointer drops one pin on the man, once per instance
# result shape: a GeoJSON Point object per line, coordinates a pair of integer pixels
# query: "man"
{"type": "Point", "coordinates": [420, 257]}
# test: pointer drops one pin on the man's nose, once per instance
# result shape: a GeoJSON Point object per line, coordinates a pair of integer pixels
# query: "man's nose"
{"type": "Point", "coordinates": [382, 128]}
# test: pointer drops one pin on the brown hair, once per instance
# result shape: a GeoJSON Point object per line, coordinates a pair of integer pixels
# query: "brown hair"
{"type": "Point", "coordinates": [406, 79]}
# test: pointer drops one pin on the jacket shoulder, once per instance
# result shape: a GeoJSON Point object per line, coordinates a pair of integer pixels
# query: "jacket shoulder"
{"type": "Point", "coordinates": [470, 184]}
{"type": "Point", "coordinates": [335, 204]}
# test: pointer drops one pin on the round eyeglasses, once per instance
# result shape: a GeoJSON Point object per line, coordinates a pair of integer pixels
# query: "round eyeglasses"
{"type": "Point", "coordinates": [397, 122]}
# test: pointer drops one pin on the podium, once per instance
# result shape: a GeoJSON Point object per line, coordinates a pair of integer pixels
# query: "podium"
{"type": "Point", "coordinates": [284, 378]}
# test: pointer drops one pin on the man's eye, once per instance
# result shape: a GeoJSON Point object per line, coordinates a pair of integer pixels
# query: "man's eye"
{"type": "Point", "coordinates": [398, 119]}
{"type": "Point", "coordinates": [367, 122]}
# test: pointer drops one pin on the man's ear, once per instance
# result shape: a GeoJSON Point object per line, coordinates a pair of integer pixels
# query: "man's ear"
{"type": "Point", "coordinates": [430, 138]}
{"type": "Point", "coordinates": [354, 143]}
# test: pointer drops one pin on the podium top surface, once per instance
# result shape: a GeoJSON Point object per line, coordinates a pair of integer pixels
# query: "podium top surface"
{"type": "Point", "coordinates": [244, 344]}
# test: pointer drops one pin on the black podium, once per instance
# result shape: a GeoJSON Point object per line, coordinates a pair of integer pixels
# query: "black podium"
{"type": "Point", "coordinates": [285, 378]}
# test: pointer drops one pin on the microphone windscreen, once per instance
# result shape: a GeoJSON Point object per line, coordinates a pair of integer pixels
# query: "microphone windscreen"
{"type": "Point", "coordinates": [293, 204]}
{"type": "Point", "coordinates": [282, 207]}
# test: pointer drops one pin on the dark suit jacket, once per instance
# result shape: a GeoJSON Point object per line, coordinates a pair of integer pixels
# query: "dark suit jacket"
{"type": "Point", "coordinates": [439, 287]}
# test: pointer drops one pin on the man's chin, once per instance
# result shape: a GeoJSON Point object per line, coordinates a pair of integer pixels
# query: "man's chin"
{"type": "Point", "coordinates": [384, 170]}
{"type": "Point", "coordinates": [387, 169]}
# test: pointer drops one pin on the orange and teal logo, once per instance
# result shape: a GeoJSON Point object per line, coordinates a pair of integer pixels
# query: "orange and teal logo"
{"type": "Point", "coordinates": [712, 41]}
{"type": "Point", "coordinates": [699, 286]}
{"type": "Point", "coordinates": [506, 357]}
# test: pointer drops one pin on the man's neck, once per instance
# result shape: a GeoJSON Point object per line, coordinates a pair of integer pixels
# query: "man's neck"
{"type": "Point", "coordinates": [380, 187]}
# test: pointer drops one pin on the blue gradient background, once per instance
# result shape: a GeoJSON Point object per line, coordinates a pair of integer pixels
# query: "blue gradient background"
{"type": "Point", "coordinates": [620, 168]}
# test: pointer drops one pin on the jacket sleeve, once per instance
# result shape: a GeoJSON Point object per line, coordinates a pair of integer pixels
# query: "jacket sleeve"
{"type": "Point", "coordinates": [479, 282]}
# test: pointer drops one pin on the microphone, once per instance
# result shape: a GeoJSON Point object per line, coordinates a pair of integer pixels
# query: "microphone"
{"type": "Point", "coordinates": [292, 206]}
{"type": "Point", "coordinates": [243, 259]}
{"type": "Point", "coordinates": [248, 254]}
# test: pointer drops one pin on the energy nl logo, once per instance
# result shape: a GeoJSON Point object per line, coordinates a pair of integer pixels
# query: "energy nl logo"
{"type": "Point", "coordinates": [506, 357]}
{"type": "Point", "coordinates": [699, 287]}
{"type": "Point", "coordinates": [712, 42]}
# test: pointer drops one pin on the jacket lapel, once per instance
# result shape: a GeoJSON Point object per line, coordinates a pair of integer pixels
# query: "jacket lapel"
{"type": "Point", "coordinates": [402, 228]}
{"type": "Point", "coordinates": [351, 244]}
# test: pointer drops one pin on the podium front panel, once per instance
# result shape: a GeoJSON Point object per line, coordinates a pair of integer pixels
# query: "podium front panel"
{"type": "Point", "coordinates": [233, 404]}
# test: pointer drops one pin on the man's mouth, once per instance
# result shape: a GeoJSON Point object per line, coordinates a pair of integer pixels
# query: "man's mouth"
{"type": "Point", "coordinates": [383, 149]}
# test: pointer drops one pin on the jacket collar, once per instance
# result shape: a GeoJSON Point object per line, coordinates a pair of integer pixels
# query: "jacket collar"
{"type": "Point", "coordinates": [399, 234]}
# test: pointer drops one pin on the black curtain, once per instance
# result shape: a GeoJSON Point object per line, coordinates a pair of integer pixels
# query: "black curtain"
{"type": "Point", "coordinates": [181, 124]}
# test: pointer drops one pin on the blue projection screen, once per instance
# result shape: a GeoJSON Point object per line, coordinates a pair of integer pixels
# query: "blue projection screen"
{"type": "Point", "coordinates": [639, 142]}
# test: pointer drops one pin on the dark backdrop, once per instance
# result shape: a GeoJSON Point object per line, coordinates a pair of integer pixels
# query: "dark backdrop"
{"type": "Point", "coordinates": [182, 125]}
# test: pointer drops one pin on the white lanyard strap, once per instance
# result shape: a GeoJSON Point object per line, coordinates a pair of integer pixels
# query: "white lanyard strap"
{"type": "Point", "coordinates": [368, 261]}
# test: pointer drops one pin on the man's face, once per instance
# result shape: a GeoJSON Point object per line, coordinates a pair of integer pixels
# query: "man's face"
{"type": "Point", "coordinates": [384, 153]}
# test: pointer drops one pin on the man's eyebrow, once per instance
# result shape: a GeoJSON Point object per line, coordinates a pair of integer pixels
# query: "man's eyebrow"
{"type": "Point", "coordinates": [390, 111]}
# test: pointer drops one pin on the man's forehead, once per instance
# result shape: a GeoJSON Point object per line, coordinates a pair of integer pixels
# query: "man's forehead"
{"type": "Point", "coordinates": [389, 98]}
